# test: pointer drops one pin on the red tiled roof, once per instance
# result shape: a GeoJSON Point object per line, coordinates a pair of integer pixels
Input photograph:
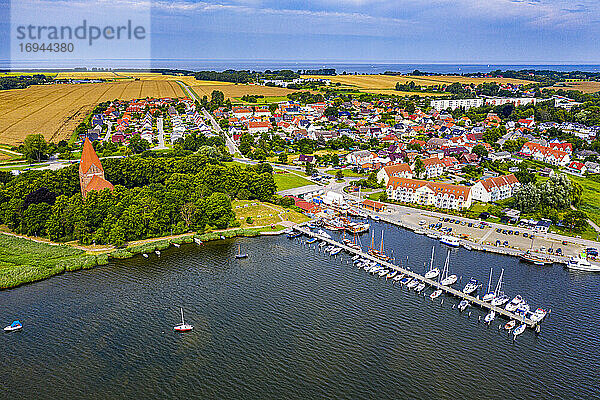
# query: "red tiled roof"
{"type": "Point", "coordinates": [88, 157]}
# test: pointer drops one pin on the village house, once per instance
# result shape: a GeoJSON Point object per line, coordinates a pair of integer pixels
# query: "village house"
{"type": "Point", "coordinates": [495, 188]}
{"type": "Point", "coordinates": [434, 167]}
{"type": "Point", "coordinates": [258, 127]}
{"type": "Point", "coordinates": [546, 154]}
{"type": "Point", "coordinates": [440, 195]}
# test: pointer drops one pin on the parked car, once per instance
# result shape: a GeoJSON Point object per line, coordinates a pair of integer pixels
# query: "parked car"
{"type": "Point", "coordinates": [558, 252]}
{"type": "Point", "coordinates": [470, 224]}
{"type": "Point", "coordinates": [517, 233]}
{"type": "Point", "coordinates": [498, 230]}
{"type": "Point", "coordinates": [505, 243]}
{"type": "Point", "coordinates": [525, 234]}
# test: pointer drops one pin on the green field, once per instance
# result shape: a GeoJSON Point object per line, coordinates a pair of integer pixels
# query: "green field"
{"type": "Point", "coordinates": [260, 100]}
{"type": "Point", "coordinates": [590, 199]}
{"type": "Point", "coordinates": [289, 181]}
{"type": "Point", "coordinates": [23, 260]}
{"type": "Point", "coordinates": [347, 173]}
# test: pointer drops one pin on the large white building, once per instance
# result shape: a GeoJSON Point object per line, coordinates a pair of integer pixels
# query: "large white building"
{"type": "Point", "coordinates": [399, 170]}
{"type": "Point", "coordinates": [495, 188]}
{"type": "Point", "coordinates": [440, 195]}
{"type": "Point", "coordinates": [517, 101]}
{"type": "Point", "coordinates": [444, 104]}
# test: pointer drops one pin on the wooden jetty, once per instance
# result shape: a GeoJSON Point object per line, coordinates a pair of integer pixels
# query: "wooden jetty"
{"type": "Point", "coordinates": [432, 283]}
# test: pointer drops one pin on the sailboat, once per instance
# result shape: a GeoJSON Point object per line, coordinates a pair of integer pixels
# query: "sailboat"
{"type": "Point", "coordinates": [489, 296]}
{"type": "Point", "coordinates": [377, 253]}
{"type": "Point", "coordinates": [500, 298]}
{"type": "Point", "coordinates": [433, 272]}
{"type": "Point", "coordinates": [520, 329]}
{"type": "Point", "coordinates": [446, 279]}
{"type": "Point", "coordinates": [183, 327]}
{"type": "Point", "coordinates": [240, 254]}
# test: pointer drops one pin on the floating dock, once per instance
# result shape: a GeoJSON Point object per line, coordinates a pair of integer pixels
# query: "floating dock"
{"type": "Point", "coordinates": [446, 289]}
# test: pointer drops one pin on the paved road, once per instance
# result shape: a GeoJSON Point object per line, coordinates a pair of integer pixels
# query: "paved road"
{"type": "Point", "coordinates": [228, 140]}
{"type": "Point", "coordinates": [108, 131]}
{"type": "Point", "coordinates": [161, 134]}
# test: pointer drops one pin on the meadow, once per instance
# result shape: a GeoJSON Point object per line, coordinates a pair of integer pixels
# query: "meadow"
{"type": "Point", "coordinates": [23, 260]}
{"type": "Point", "coordinates": [585, 87]}
{"type": "Point", "coordinates": [287, 180]}
{"type": "Point", "coordinates": [264, 214]}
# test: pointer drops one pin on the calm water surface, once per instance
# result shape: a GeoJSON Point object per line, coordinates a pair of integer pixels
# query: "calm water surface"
{"type": "Point", "coordinates": [291, 322]}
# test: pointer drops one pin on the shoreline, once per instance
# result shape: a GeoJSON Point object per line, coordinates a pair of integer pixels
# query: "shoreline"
{"type": "Point", "coordinates": [90, 258]}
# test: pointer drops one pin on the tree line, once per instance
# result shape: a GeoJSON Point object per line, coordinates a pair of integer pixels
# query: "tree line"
{"type": "Point", "coordinates": [152, 197]}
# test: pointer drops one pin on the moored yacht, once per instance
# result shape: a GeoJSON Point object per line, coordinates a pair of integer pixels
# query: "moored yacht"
{"type": "Point", "coordinates": [581, 264]}
{"type": "Point", "coordinates": [514, 303]}
{"type": "Point", "coordinates": [471, 286]}
{"type": "Point", "coordinates": [450, 241]}
{"type": "Point", "coordinates": [538, 315]}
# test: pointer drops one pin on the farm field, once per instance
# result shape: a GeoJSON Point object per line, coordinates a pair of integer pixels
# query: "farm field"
{"type": "Point", "coordinates": [55, 110]}
{"type": "Point", "coordinates": [389, 81]}
{"type": "Point", "coordinates": [585, 87]}
{"type": "Point", "coordinates": [402, 93]}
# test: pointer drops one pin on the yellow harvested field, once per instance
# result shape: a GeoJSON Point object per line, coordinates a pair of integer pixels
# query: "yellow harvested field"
{"type": "Point", "coordinates": [231, 91]}
{"type": "Point", "coordinates": [389, 81]}
{"type": "Point", "coordinates": [585, 87]}
{"type": "Point", "coordinates": [55, 110]}
{"type": "Point", "coordinates": [86, 75]}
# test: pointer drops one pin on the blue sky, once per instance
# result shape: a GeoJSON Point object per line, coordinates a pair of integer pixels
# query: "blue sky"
{"type": "Point", "coordinates": [465, 31]}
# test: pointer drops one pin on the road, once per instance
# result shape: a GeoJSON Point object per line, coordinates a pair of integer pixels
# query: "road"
{"type": "Point", "coordinates": [161, 134]}
{"type": "Point", "coordinates": [108, 131]}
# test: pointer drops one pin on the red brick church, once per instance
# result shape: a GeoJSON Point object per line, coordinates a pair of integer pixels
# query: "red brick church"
{"type": "Point", "coordinates": [91, 173]}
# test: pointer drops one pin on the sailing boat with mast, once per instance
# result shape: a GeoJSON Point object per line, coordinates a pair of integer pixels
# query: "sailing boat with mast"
{"type": "Point", "coordinates": [433, 272]}
{"type": "Point", "coordinates": [378, 253]}
{"type": "Point", "coordinates": [489, 295]}
{"type": "Point", "coordinates": [446, 279]}
{"type": "Point", "coordinates": [239, 253]}
{"type": "Point", "coordinates": [183, 327]}
{"type": "Point", "coordinates": [500, 299]}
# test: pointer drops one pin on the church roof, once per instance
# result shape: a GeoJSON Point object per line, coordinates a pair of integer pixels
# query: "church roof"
{"type": "Point", "coordinates": [98, 183]}
{"type": "Point", "coordinates": [88, 157]}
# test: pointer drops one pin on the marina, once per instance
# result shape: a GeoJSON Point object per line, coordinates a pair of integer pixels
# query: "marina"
{"type": "Point", "coordinates": [427, 279]}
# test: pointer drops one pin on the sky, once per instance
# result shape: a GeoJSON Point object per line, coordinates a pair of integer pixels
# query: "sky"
{"type": "Point", "coordinates": [402, 31]}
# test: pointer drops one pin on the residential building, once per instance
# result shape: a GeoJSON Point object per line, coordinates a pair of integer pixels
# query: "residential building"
{"type": "Point", "coordinates": [546, 154]}
{"type": "Point", "coordinates": [399, 170]}
{"type": "Point", "coordinates": [495, 188]}
{"type": "Point", "coordinates": [434, 167]}
{"type": "Point", "coordinates": [440, 195]}
{"type": "Point", "coordinates": [258, 127]}
{"type": "Point", "coordinates": [444, 104]}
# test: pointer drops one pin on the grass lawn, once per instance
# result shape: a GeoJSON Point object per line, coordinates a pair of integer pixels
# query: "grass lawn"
{"type": "Point", "coordinates": [289, 181]}
{"type": "Point", "coordinates": [264, 213]}
{"type": "Point", "coordinates": [589, 233]}
{"type": "Point", "coordinates": [590, 199]}
{"type": "Point", "coordinates": [23, 260]}
{"type": "Point", "coordinates": [347, 173]}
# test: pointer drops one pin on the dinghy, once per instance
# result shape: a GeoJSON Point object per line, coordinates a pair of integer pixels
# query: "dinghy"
{"type": "Point", "coordinates": [463, 305]}
{"type": "Point", "coordinates": [435, 294]}
{"type": "Point", "coordinates": [520, 329]}
{"type": "Point", "coordinates": [490, 317]}
{"type": "Point", "coordinates": [510, 324]}
{"type": "Point", "coordinates": [15, 326]}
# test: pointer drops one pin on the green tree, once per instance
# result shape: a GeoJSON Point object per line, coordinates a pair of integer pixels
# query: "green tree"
{"type": "Point", "coordinates": [480, 150]}
{"type": "Point", "coordinates": [35, 147]}
{"type": "Point", "coordinates": [575, 220]}
{"type": "Point", "coordinates": [339, 174]}
{"type": "Point", "coordinates": [283, 158]}
{"type": "Point", "coordinates": [246, 143]}
{"type": "Point", "coordinates": [419, 168]}
{"type": "Point", "coordinates": [309, 168]}
{"type": "Point", "coordinates": [138, 145]}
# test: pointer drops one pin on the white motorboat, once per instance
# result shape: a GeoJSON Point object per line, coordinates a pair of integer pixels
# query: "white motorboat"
{"type": "Point", "coordinates": [398, 277]}
{"type": "Point", "coordinates": [383, 272]}
{"type": "Point", "coordinates": [15, 326]}
{"type": "Point", "coordinates": [183, 327]}
{"type": "Point", "coordinates": [356, 257]}
{"type": "Point", "coordinates": [392, 274]}
{"type": "Point", "coordinates": [435, 294]}
{"type": "Point", "coordinates": [463, 305]}
{"type": "Point", "coordinates": [420, 287]}
{"type": "Point", "coordinates": [450, 241]}
{"type": "Point", "coordinates": [176, 244]}
{"type": "Point", "coordinates": [490, 317]}
{"type": "Point", "coordinates": [157, 252]}
{"type": "Point", "coordinates": [471, 286]}
{"type": "Point", "coordinates": [335, 251]}
{"type": "Point", "coordinates": [520, 329]}
{"type": "Point", "coordinates": [538, 315]}
{"type": "Point", "coordinates": [514, 303]}
{"type": "Point", "coordinates": [197, 241]}
{"type": "Point", "coordinates": [414, 283]}
{"type": "Point", "coordinates": [406, 280]}
{"type": "Point", "coordinates": [510, 324]}
{"type": "Point", "coordinates": [489, 296]}
{"type": "Point", "coordinates": [145, 255]}
{"type": "Point", "coordinates": [581, 264]}
{"type": "Point", "coordinates": [523, 308]}
{"type": "Point", "coordinates": [324, 234]}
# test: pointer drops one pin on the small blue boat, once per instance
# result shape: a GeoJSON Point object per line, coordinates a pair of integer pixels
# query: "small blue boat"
{"type": "Point", "coordinates": [16, 325]}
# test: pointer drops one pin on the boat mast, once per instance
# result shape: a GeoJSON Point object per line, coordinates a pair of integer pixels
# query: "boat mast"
{"type": "Point", "coordinates": [490, 281]}
{"type": "Point", "coordinates": [499, 285]}
{"type": "Point", "coordinates": [431, 262]}
{"type": "Point", "coordinates": [381, 246]}
{"type": "Point", "coordinates": [182, 322]}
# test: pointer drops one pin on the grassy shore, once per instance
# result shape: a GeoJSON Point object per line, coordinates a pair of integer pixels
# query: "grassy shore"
{"type": "Point", "coordinates": [23, 260]}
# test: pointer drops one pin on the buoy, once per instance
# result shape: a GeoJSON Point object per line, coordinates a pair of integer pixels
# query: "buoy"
{"type": "Point", "coordinates": [453, 306]}
{"type": "Point", "coordinates": [469, 314]}
{"type": "Point", "coordinates": [479, 319]}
